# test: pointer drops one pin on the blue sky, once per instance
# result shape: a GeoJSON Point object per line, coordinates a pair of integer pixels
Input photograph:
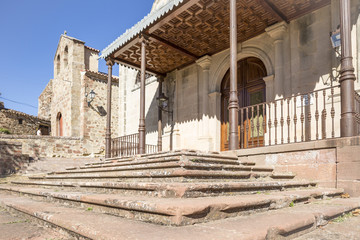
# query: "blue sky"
{"type": "Point", "coordinates": [30, 31]}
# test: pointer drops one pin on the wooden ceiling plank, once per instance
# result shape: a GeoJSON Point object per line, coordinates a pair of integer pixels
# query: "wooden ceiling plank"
{"type": "Point", "coordinates": [272, 8]}
{"type": "Point", "coordinates": [153, 37]}
{"type": "Point", "coordinates": [126, 47]}
{"type": "Point", "coordinates": [167, 19]}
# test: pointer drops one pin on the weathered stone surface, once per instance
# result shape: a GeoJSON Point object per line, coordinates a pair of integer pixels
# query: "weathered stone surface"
{"type": "Point", "coordinates": [11, 158]}
{"type": "Point", "coordinates": [21, 123]}
{"type": "Point", "coordinates": [177, 190]}
{"type": "Point", "coordinates": [176, 211]}
{"type": "Point", "coordinates": [20, 227]}
{"type": "Point", "coordinates": [276, 224]}
{"type": "Point", "coordinates": [346, 229]}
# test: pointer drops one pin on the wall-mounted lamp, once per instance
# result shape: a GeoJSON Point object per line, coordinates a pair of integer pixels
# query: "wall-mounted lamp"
{"type": "Point", "coordinates": [89, 96]}
{"type": "Point", "coordinates": [163, 103]}
{"type": "Point", "coordinates": [335, 38]}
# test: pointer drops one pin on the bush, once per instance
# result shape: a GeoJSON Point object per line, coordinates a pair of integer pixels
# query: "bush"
{"type": "Point", "coordinates": [4, 130]}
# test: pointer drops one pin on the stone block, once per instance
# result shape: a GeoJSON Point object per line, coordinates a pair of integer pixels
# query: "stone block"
{"type": "Point", "coordinates": [348, 171]}
{"type": "Point", "coordinates": [351, 187]}
{"type": "Point", "coordinates": [348, 154]}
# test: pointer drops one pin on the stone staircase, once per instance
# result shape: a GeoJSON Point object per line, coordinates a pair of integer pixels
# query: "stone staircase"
{"type": "Point", "coordinates": [170, 188]}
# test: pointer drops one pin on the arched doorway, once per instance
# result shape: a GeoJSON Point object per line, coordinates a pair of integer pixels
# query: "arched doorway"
{"type": "Point", "coordinates": [59, 123]}
{"type": "Point", "coordinates": [251, 91]}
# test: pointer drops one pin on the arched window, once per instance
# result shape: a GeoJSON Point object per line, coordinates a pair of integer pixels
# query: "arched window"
{"type": "Point", "coordinates": [66, 53]}
{"type": "Point", "coordinates": [138, 77]}
{"type": "Point", "coordinates": [58, 65]}
{"type": "Point", "coordinates": [59, 125]}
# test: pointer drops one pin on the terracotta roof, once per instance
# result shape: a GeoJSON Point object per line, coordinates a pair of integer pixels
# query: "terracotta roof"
{"type": "Point", "coordinates": [92, 49]}
{"type": "Point", "coordinates": [101, 75]}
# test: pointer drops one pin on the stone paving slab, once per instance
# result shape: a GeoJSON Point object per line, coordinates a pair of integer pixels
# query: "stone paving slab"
{"type": "Point", "coordinates": [276, 224]}
{"type": "Point", "coordinates": [349, 229]}
{"type": "Point", "coordinates": [20, 228]}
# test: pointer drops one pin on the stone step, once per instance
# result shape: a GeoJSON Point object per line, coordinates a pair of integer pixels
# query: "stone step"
{"type": "Point", "coordinates": [247, 163]}
{"type": "Point", "coordinates": [175, 211]}
{"type": "Point", "coordinates": [193, 153]}
{"type": "Point", "coordinates": [172, 190]}
{"type": "Point", "coordinates": [170, 175]}
{"type": "Point", "coordinates": [277, 224]}
{"type": "Point", "coordinates": [177, 153]}
{"type": "Point", "coordinates": [180, 164]}
{"type": "Point", "coordinates": [160, 159]}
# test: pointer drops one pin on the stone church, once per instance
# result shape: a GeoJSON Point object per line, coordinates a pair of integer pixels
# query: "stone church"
{"type": "Point", "coordinates": [66, 100]}
{"type": "Point", "coordinates": [258, 99]}
{"type": "Point", "coordinates": [288, 78]}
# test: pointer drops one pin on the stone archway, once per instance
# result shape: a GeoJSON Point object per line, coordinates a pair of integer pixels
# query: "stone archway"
{"type": "Point", "coordinates": [59, 125]}
{"type": "Point", "coordinates": [219, 73]}
{"type": "Point", "coordinates": [251, 91]}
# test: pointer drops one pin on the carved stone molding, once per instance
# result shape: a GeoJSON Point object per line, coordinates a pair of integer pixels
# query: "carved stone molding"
{"type": "Point", "coordinates": [204, 62]}
{"type": "Point", "coordinates": [277, 31]}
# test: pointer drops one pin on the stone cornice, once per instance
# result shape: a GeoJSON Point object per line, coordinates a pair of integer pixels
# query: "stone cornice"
{"type": "Point", "coordinates": [204, 62]}
{"type": "Point", "coordinates": [277, 31]}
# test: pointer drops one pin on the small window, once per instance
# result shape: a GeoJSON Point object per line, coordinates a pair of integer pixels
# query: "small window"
{"type": "Point", "coordinates": [58, 64]}
{"type": "Point", "coordinates": [20, 121]}
{"type": "Point", "coordinates": [138, 77]}
{"type": "Point", "coordinates": [66, 53]}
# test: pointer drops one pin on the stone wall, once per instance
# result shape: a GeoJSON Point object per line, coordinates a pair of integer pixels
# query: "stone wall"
{"type": "Point", "coordinates": [48, 146]}
{"type": "Point", "coordinates": [44, 101]}
{"type": "Point", "coordinates": [93, 117]}
{"type": "Point", "coordinates": [332, 162]}
{"type": "Point", "coordinates": [11, 158]}
{"type": "Point", "coordinates": [20, 123]}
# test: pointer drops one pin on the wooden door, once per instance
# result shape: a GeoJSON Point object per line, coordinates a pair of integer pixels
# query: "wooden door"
{"type": "Point", "coordinates": [59, 125]}
{"type": "Point", "coordinates": [251, 91]}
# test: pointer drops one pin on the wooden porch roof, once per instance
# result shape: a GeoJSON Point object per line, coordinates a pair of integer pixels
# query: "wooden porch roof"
{"type": "Point", "coordinates": [190, 29]}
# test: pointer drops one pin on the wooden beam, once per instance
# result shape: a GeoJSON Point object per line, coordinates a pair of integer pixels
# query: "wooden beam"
{"type": "Point", "coordinates": [166, 43]}
{"type": "Point", "coordinates": [137, 67]}
{"type": "Point", "coordinates": [274, 10]}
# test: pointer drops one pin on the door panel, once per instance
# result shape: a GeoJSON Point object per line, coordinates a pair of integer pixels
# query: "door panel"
{"type": "Point", "coordinates": [251, 91]}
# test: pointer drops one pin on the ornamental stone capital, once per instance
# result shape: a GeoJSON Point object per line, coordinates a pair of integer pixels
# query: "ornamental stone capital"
{"type": "Point", "coordinates": [204, 62]}
{"type": "Point", "coordinates": [277, 31]}
{"type": "Point", "coordinates": [110, 62]}
{"type": "Point", "coordinates": [269, 79]}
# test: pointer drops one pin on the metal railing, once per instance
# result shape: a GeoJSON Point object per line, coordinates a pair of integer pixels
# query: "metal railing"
{"type": "Point", "coordinates": [357, 112]}
{"type": "Point", "coordinates": [300, 118]}
{"type": "Point", "coordinates": [128, 146]}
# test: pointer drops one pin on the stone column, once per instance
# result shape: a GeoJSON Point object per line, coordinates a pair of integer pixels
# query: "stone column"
{"type": "Point", "coordinates": [142, 127]}
{"type": "Point", "coordinates": [109, 62]}
{"type": "Point", "coordinates": [233, 100]}
{"type": "Point", "coordinates": [205, 63]}
{"type": "Point", "coordinates": [269, 82]}
{"type": "Point", "coordinates": [277, 33]}
{"type": "Point", "coordinates": [347, 76]}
